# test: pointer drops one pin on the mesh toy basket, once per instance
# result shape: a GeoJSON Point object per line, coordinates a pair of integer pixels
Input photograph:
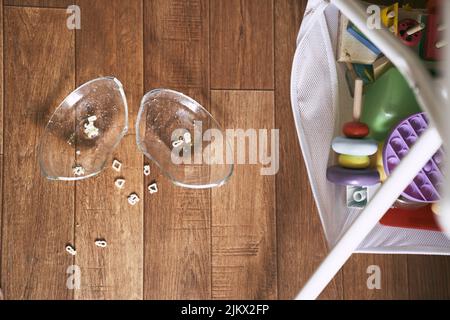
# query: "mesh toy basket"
{"type": "Point", "coordinates": [321, 103]}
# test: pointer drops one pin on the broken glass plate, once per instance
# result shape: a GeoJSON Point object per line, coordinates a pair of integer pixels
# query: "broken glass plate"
{"type": "Point", "coordinates": [184, 140]}
{"type": "Point", "coordinates": [84, 131]}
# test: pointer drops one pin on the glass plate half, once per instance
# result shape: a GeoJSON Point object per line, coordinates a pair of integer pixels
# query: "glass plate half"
{"type": "Point", "coordinates": [183, 139]}
{"type": "Point", "coordinates": [84, 131]}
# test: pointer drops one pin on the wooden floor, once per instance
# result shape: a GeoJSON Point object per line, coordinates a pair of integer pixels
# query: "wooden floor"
{"type": "Point", "coordinates": [256, 238]}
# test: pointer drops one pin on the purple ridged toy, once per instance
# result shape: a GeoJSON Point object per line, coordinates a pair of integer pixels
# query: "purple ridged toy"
{"type": "Point", "coordinates": [426, 185]}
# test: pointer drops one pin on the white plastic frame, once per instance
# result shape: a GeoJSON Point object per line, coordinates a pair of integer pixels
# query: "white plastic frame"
{"type": "Point", "coordinates": [429, 95]}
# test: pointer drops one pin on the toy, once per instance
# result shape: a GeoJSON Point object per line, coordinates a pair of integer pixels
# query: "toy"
{"type": "Point", "coordinates": [420, 218]}
{"type": "Point", "coordinates": [410, 32]}
{"type": "Point", "coordinates": [379, 162]}
{"type": "Point", "coordinates": [364, 72]}
{"type": "Point", "coordinates": [387, 101]}
{"type": "Point", "coordinates": [357, 197]}
{"type": "Point", "coordinates": [354, 151]}
{"type": "Point", "coordinates": [353, 162]}
{"type": "Point", "coordinates": [356, 129]}
{"type": "Point", "coordinates": [354, 31]}
{"type": "Point", "coordinates": [350, 177]}
{"type": "Point", "coordinates": [389, 17]}
{"type": "Point", "coordinates": [349, 49]}
{"type": "Point", "coordinates": [354, 147]}
{"type": "Point", "coordinates": [367, 72]}
{"type": "Point", "coordinates": [433, 42]}
{"type": "Point", "coordinates": [425, 187]}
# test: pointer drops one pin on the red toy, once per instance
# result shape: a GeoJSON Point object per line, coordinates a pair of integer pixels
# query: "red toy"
{"type": "Point", "coordinates": [422, 219]}
{"type": "Point", "coordinates": [435, 37]}
{"type": "Point", "coordinates": [356, 129]}
{"type": "Point", "coordinates": [410, 31]}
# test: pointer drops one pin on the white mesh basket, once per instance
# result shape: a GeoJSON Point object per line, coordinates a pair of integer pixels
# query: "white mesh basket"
{"type": "Point", "coordinates": [321, 103]}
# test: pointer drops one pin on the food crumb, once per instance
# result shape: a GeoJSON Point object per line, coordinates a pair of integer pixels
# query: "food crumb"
{"type": "Point", "coordinates": [133, 199]}
{"type": "Point", "coordinates": [71, 250]}
{"type": "Point", "coordinates": [117, 165]}
{"type": "Point", "coordinates": [78, 171]}
{"type": "Point", "coordinates": [153, 188]}
{"type": "Point", "coordinates": [101, 243]}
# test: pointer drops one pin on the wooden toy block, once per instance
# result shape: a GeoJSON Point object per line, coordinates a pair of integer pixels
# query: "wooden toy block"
{"type": "Point", "coordinates": [389, 18]}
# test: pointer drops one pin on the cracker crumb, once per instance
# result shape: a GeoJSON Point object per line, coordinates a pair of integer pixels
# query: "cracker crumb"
{"type": "Point", "coordinates": [78, 171]}
{"type": "Point", "coordinates": [120, 183]}
{"type": "Point", "coordinates": [133, 199]}
{"type": "Point", "coordinates": [101, 243]}
{"type": "Point", "coordinates": [147, 170]}
{"type": "Point", "coordinates": [117, 165]}
{"type": "Point", "coordinates": [90, 129]}
{"type": "Point", "coordinates": [153, 188]}
{"type": "Point", "coordinates": [71, 250]}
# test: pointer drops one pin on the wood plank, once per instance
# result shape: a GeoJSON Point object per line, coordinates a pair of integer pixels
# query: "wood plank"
{"type": "Point", "coordinates": [40, 3]}
{"type": "Point", "coordinates": [243, 211]}
{"type": "Point", "coordinates": [242, 42]}
{"type": "Point", "coordinates": [394, 277]}
{"type": "Point", "coordinates": [1, 219]}
{"type": "Point", "coordinates": [38, 214]}
{"type": "Point", "coordinates": [177, 221]}
{"type": "Point", "coordinates": [1, 141]}
{"type": "Point", "coordinates": [1, 81]}
{"type": "Point", "coordinates": [429, 277]}
{"type": "Point", "coordinates": [177, 231]}
{"type": "Point", "coordinates": [110, 43]}
{"type": "Point", "coordinates": [177, 44]}
{"type": "Point", "coordinates": [299, 231]}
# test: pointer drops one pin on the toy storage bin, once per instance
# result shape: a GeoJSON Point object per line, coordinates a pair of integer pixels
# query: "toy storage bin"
{"type": "Point", "coordinates": [321, 103]}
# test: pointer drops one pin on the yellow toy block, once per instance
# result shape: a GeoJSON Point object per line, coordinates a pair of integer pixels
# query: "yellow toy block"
{"type": "Point", "coordinates": [354, 162]}
{"type": "Point", "coordinates": [389, 17]}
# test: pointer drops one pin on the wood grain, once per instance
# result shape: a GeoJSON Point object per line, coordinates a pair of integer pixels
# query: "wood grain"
{"type": "Point", "coordinates": [243, 211]}
{"type": "Point", "coordinates": [177, 220]}
{"type": "Point", "coordinates": [242, 44]}
{"type": "Point", "coordinates": [177, 44]}
{"type": "Point", "coordinates": [394, 277]}
{"type": "Point", "coordinates": [1, 223]}
{"type": "Point", "coordinates": [110, 43]}
{"type": "Point", "coordinates": [428, 277]}
{"type": "Point", "coordinates": [301, 243]}
{"type": "Point", "coordinates": [1, 80]}
{"type": "Point", "coordinates": [40, 3]}
{"type": "Point", "coordinates": [38, 214]}
{"type": "Point", "coordinates": [1, 141]}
